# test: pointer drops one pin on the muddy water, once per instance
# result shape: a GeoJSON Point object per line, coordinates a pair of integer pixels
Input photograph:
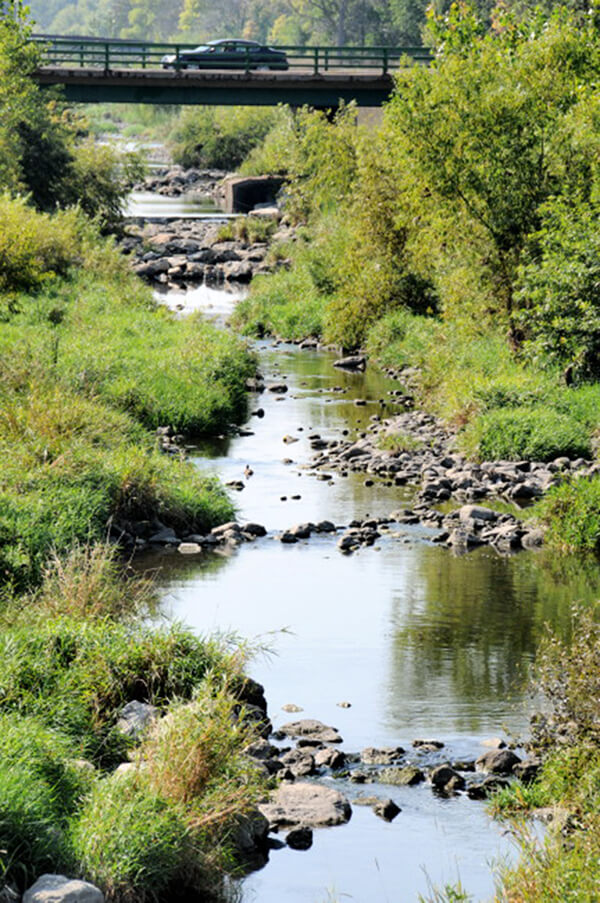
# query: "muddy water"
{"type": "Point", "coordinates": [419, 641]}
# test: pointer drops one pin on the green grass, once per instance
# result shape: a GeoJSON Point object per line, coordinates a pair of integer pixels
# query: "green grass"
{"type": "Point", "coordinates": [396, 443]}
{"type": "Point", "coordinates": [75, 675]}
{"type": "Point", "coordinates": [572, 513]}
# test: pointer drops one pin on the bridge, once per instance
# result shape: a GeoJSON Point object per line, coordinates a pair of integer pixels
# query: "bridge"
{"type": "Point", "coordinates": [93, 70]}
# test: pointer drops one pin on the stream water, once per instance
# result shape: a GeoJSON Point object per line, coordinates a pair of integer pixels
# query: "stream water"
{"type": "Point", "coordinates": [421, 642]}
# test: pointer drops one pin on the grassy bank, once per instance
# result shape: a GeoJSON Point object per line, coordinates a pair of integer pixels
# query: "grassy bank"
{"type": "Point", "coordinates": [70, 660]}
{"type": "Point", "coordinates": [91, 365]}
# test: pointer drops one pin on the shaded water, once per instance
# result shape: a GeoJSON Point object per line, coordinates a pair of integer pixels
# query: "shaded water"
{"type": "Point", "coordinates": [149, 204]}
{"type": "Point", "coordinates": [420, 641]}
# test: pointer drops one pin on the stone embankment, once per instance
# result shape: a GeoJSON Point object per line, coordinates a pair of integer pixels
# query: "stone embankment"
{"type": "Point", "coordinates": [188, 252]}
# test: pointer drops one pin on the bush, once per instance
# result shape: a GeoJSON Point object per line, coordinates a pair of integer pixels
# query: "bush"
{"type": "Point", "coordinates": [35, 247]}
{"type": "Point", "coordinates": [220, 137]}
{"type": "Point", "coordinates": [559, 289]}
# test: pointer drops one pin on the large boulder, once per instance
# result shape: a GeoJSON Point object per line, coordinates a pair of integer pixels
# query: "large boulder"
{"type": "Point", "coordinates": [304, 803]}
{"type": "Point", "coordinates": [58, 889]}
{"type": "Point", "coordinates": [313, 729]}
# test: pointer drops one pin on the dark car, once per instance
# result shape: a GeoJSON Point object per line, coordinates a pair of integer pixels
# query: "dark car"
{"type": "Point", "coordinates": [227, 54]}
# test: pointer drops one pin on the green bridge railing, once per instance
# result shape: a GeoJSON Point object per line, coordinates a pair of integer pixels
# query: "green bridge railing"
{"type": "Point", "coordinates": [107, 55]}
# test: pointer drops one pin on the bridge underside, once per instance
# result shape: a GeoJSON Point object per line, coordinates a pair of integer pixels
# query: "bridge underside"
{"type": "Point", "coordinates": [217, 88]}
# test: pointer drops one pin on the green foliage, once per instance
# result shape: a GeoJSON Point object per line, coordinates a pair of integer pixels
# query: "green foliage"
{"type": "Point", "coordinates": [318, 158]}
{"type": "Point", "coordinates": [251, 229]}
{"type": "Point", "coordinates": [397, 443]}
{"type": "Point", "coordinates": [34, 247]}
{"type": "Point", "coordinates": [537, 434]}
{"type": "Point", "coordinates": [74, 675]}
{"type": "Point", "coordinates": [220, 137]}
{"type": "Point", "coordinates": [572, 513]}
{"type": "Point", "coordinates": [40, 786]}
{"type": "Point", "coordinates": [131, 842]}
{"type": "Point", "coordinates": [559, 289]}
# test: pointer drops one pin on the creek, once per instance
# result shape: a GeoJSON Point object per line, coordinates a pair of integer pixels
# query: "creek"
{"type": "Point", "coordinates": [420, 641]}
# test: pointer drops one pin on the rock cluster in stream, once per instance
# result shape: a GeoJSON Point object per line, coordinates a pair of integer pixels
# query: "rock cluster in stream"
{"type": "Point", "coordinates": [299, 800]}
{"type": "Point", "coordinates": [174, 181]}
{"type": "Point", "coordinates": [189, 251]}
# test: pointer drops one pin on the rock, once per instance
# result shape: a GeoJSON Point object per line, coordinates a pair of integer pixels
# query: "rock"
{"type": "Point", "coordinates": [189, 548]}
{"type": "Point", "coordinates": [261, 750]}
{"type": "Point", "coordinates": [289, 439]}
{"type": "Point", "coordinates": [445, 778]}
{"type": "Point", "coordinates": [344, 705]}
{"type": "Point", "coordinates": [385, 756]}
{"type": "Point", "coordinates": [135, 717]}
{"type": "Point", "coordinates": [386, 809]}
{"type": "Point", "coordinates": [59, 889]}
{"type": "Point", "coordinates": [428, 745]}
{"type": "Point", "coordinates": [330, 758]}
{"type": "Point", "coordinates": [498, 761]}
{"type": "Point", "coordinates": [401, 777]}
{"type": "Point", "coordinates": [533, 539]}
{"type": "Point", "coordinates": [300, 763]}
{"type": "Point", "coordinates": [313, 729]}
{"type": "Point", "coordinates": [277, 388]}
{"type": "Point", "coordinates": [166, 536]}
{"type": "Point", "coordinates": [254, 529]}
{"type": "Point", "coordinates": [226, 528]}
{"type": "Point", "coordinates": [527, 770]}
{"type": "Point", "coordinates": [288, 537]}
{"type": "Point", "coordinates": [306, 804]}
{"type": "Point", "coordinates": [300, 838]}
{"type": "Point", "coordinates": [351, 362]}
{"type": "Point", "coordinates": [291, 707]}
{"type": "Point", "coordinates": [475, 512]}
{"type": "Point", "coordinates": [249, 837]}
{"type": "Point", "coordinates": [494, 743]}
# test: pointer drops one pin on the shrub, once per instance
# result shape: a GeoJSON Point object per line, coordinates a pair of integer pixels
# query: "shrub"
{"type": "Point", "coordinates": [559, 289]}
{"type": "Point", "coordinates": [219, 137]}
{"type": "Point", "coordinates": [35, 247]}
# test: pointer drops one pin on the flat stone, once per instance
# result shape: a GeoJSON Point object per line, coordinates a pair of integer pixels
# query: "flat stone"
{"type": "Point", "coordinates": [59, 889]}
{"type": "Point", "coordinates": [330, 758]}
{"type": "Point", "coordinates": [407, 776]}
{"type": "Point", "coordinates": [310, 727]}
{"type": "Point", "coordinates": [306, 804]}
{"type": "Point", "coordinates": [189, 548]}
{"type": "Point", "coordinates": [428, 745]}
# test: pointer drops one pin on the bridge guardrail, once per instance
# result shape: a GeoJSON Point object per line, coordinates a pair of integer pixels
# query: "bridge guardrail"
{"type": "Point", "coordinates": [319, 60]}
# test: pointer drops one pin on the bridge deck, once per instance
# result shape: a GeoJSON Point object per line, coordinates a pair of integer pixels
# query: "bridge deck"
{"type": "Point", "coordinates": [166, 86]}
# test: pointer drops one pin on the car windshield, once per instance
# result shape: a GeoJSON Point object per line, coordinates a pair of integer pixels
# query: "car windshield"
{"type": "Point", "coordinates": [201, 49]}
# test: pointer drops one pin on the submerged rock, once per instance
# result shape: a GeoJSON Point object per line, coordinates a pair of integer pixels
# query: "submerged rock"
{"type": "Point", "coordinates": [310, 727]}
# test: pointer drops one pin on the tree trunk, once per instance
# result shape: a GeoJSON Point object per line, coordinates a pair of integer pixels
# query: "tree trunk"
{"type": "Point", "coordinates": [341, 24]}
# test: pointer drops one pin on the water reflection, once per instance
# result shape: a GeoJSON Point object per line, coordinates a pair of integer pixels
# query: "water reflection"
{"type": "Point", "coordinates": [419, 641]}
